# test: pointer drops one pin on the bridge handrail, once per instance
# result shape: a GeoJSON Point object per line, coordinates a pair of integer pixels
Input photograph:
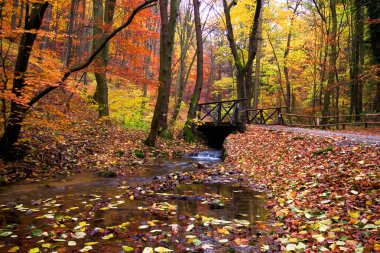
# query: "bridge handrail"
{"type": "Point", "coordinates": [267, 108]}
{"type": "Point", "coordinates": [222, 101]}
{"type": "Point", "coordinates": [317, 121]}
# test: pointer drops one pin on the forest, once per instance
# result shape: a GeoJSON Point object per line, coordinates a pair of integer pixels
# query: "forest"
{"type": "Point", "coordinates": [146, 64]}
{"type": "Point", "coordinates": [184, 126]}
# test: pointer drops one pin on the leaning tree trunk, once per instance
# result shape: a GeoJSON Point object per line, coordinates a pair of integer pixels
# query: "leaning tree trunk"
{"type": "Point", "coordinates": [18, 110]}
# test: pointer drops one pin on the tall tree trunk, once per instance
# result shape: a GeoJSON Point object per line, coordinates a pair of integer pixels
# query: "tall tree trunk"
{"type": "Point", "coordinates": [256, 87]}
{"type": "Point", "coordinates": [279, 75]}
{"type": "Point", "coordinates": [373, 9]}
{"type": "Point", "coordinates": [21, 15]}
{"type": "Point", "coordinates": [186, 36]}
{"type": "Point", "coordinates": [101, 92]}
{"type": "Point", "coordinates": [70, 33]}
{"type": "Point", "coordinates": [286, 55]}
{"type": "Point", "coordinates": [165, 72]}
{"type": "Point", "coordinates": [17, 112]}
{"type": "Point", "coordinates": [332, 62]}
{"type": "Point", "coordinates": [14, 15]}
{"type": "Point", "coordinates": [357, 56]}
{"type": "Point", "coordinates": [189, 125]}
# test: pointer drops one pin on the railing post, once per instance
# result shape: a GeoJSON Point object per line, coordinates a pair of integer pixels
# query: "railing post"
{"type": "Point", "coordinates": [261, 116]}
{"type": "Point", "coordinates": [236, 111]}
{"type": "Point", "coordinates": [279, 118]}
{"type": "Point", "coordinates": [219, 113]}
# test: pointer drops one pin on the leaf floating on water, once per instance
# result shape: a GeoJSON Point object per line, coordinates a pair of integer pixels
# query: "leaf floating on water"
{"type": "Point", "coordinates": [36, 232]}
{"type": "Point", "coordinates": [223, 241]}
{"type": "Point", "coordinates": [127, 248]}
{"type": "Point", "coordinates": [80, 235]}
{"type": "Point", "coordinates": [90, 243]}
{"type": "Point", "coordinates": [86, 248]}
{"type": "Point", "coordinates": [5, 233]}
{"type": "Point", "coordinates": [72, 243]}
{"type": "Point", "coordinates": [34, 250]}
{"type": "Point", "coordinates": [46, 245]}
{"type": "Point", "coordinates": [107, 237]}
{"type": "Point", "coordinates": [197, 242]}
{"type": "Point", "coordinates": [162, 249]}
{"type": "Point", "coordinates": [148, 250]}
{"type": "Point", "coordinates": [14, 249]}
{"type": "Point", "coordinates": [190, 227]}
{"type": "Point", "coordinates": [207, 246]}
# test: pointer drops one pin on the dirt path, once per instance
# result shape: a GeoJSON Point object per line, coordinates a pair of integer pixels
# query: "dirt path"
{"type": "Point", "coordinates": [342, 138]}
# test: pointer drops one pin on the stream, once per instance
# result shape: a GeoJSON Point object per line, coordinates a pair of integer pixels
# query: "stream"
{"type": "Point", "coordinates": [89, 213]}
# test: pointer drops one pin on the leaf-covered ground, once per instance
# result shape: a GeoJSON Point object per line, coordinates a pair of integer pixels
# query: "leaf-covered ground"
{"type": "Point", "coordinates": [64, 140]}
{"type": "Point", "coordinates": [324, 195]}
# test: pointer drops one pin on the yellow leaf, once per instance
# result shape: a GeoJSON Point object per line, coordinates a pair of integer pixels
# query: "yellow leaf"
{"type": "Point", "coordinates": [354, 214]}
{"type": "Point", "coordinates": [46, 245]}
{"type": "Point", "coordinates": [190, 227]}
{"type": "Point", "coordinates": [151, 223]}
{"type": "Point", "coordinates": [223, 231]}
{"type": "Point", "coordinates": [162, 249]}
{"type": "Point", "coordinates": [107, 237]}
{"type": "Point", "coordinates": [148, 250]}
{"type": "Point", "coordinates": [127, 248]}
{"type": "Point", "coordinates": [90, 243]}
{"type": "Point", "coordinates": [14, 249]}
{"type": "Point", "coordinates": [34, 250]}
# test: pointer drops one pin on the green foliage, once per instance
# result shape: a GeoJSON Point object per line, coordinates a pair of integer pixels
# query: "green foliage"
{"type": "Point", "coordinates": [323, 151]}
{"type": "Point", "coordinates": [107, 174]}
{"type": "Point", "coordinates": [224, 85]}
{"type": "Point", "coordinates": [188, 134]}
{"type": "Point", "coordinates": [126, 108]}
{"type": "Point", "coordinates": [166, 134]}
{"type": "Point", "coordinates": [139, 153]}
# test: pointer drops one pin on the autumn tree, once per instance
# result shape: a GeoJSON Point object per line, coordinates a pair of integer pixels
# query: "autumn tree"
{"type": "Point", "coordinates": [243, 66]}
{"type": "Point", "coordinates": [102, 19]}
{"type": "Point", "coordinates": [23, 100]}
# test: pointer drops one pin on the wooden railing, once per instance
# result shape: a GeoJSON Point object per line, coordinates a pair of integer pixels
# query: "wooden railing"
{"type": "Point", "coordinates": [297, 120]}
{"type": "Point", "coordinates": [220, 112]}
{"type": "Point", "coordinates": [265, 116]}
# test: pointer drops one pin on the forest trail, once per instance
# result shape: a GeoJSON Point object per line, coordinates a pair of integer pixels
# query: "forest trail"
{"type": "Point", "coordinates": [342, 138]}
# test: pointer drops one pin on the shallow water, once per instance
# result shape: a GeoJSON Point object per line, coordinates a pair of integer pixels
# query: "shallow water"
{"type": "Point", "coordinates": [105, 202]}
